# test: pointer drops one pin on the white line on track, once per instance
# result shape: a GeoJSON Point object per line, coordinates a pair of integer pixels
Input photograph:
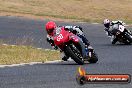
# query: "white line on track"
{"type": "Point", "coordinates": [95, 23]}
{"type": "Point", "coordinates": [55, 61]}
{"type": "Point", "coordinates": [39, 48]}
{"type": "Point", "coordinates": [31, 63]}
{"type": "Point", "coordinates": [5, 44]}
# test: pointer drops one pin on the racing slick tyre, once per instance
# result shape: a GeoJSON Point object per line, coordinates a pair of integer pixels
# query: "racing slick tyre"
{"type": "Point", "coordinates": [74, 53]}
{"type": "Point", "coordinates": [129, 38]}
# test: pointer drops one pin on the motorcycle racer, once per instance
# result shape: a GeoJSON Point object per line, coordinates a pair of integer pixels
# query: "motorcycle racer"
{"type": "Point", "coordinates": [51, 27]}
{"type": "Point", "coordinates": [110, 26]}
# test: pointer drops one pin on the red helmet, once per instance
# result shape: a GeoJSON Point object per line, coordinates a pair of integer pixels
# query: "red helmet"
{"type": "Point", "coordinates": [50, 26]}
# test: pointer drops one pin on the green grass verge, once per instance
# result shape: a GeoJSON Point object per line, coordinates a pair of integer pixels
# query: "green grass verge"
{"type": "Point", "coordinates": [25, 54]}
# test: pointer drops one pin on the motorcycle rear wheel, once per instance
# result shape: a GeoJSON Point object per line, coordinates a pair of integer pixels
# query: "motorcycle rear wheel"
{"type": "Point", "coordinates": [128, 37]}
{"type": "Point", "coordinates": [94, 58]}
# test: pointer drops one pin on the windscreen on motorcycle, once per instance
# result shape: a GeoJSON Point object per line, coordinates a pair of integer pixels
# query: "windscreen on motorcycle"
{"type": "Point", "coordinates": [57, 31]}
{"type": "Point", "coordinates": [115, 27]}
{"type": "Point", "coordinates": [118, 27]}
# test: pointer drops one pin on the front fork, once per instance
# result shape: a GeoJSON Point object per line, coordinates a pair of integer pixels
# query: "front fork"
{"type": "Point", "coordinates": [87, 51]}
{"type": "Point", "coordinates": [83, 49]}
{"type": "Point", "coordinates": [80, 44]}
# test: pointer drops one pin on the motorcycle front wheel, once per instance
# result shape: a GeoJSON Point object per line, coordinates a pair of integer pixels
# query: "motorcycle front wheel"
{"type": "Point", "coordinates": [73, 52]}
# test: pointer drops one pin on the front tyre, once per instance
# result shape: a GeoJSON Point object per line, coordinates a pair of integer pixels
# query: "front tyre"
{"type": "Point", "coordinates": [114, 41]}
{"type": "Point", "coordinates": [74, 53]}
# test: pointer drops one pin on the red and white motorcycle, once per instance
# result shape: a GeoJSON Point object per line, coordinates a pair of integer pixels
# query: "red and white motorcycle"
{"type": "Point", "coordinates": [73, 47]}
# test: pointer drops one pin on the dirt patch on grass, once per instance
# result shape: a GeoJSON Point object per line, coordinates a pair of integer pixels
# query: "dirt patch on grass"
{"type": "Point", "coordinates": [80, 10]}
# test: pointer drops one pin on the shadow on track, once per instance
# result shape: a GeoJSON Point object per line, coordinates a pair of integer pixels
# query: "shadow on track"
{"type": "Point", "coordinates": [69, 63]}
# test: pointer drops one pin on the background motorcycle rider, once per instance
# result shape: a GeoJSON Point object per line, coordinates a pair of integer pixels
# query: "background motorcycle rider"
{"type": "Point", "coordinates": [109, 27]}
{"type": "Point", "coordinates": [77, 30]}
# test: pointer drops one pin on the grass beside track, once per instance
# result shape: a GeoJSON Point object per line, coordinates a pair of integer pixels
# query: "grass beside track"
{"type": "Point", "coordinates": [67, 10]}
{"type": "Point", "coordinates": [25, 54]}
{"type": "Point", "coordinates": [80, 10]}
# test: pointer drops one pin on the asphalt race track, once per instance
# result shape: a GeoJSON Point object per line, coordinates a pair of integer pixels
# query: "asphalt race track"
{"type": "Point", "coordinates": [113, 59]}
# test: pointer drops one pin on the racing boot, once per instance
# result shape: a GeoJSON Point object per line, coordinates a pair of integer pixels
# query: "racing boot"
{"type": "Point", "coordinates": [63, 56]}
